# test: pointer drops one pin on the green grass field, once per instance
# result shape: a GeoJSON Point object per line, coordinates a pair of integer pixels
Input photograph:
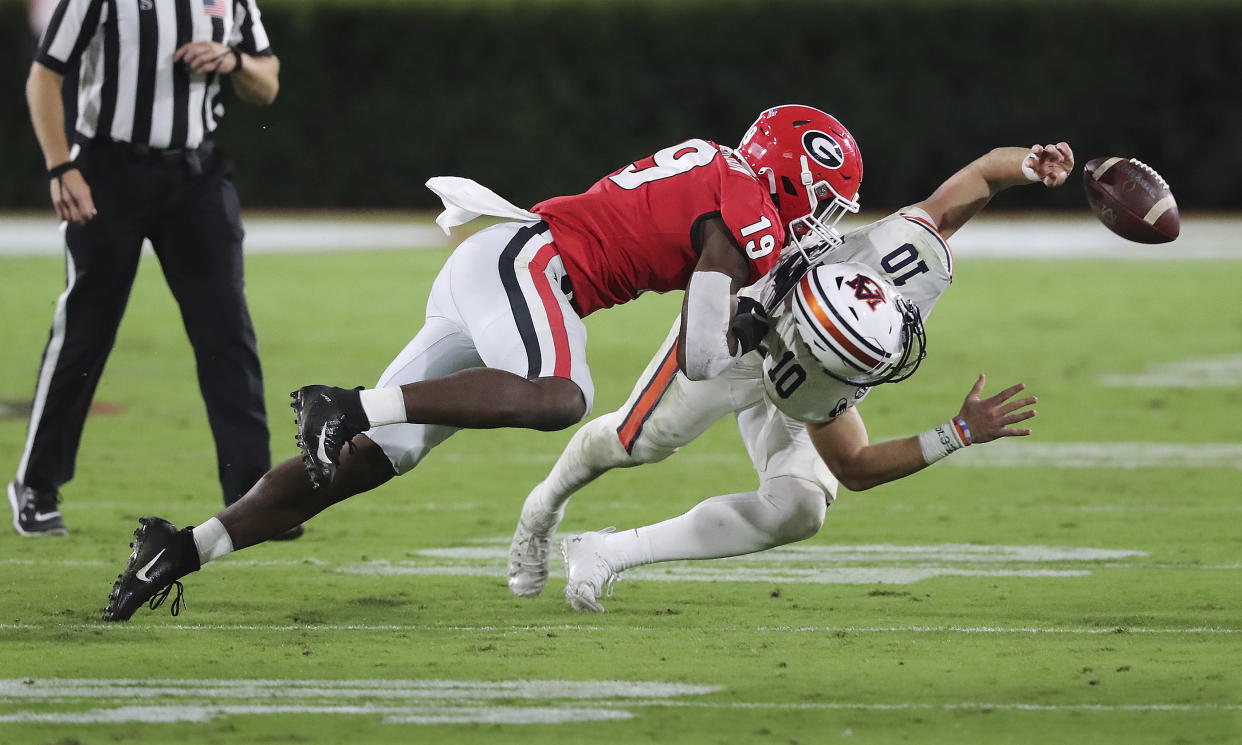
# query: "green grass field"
{"type": "Point", "coordinates": [1079, 590]}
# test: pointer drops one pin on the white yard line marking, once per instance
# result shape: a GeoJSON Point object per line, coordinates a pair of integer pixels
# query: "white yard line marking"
{"type": "Point", "coordinates": [962, 706]}
{"type": "Point", "coordinates": [431, 701]}
{"type": "Point", "coordinates": [389, 714]}
{"type": "Point", "coordinates": [995, 236]}
{"type": "Point", "coordinates": [247, 688]}
{"type": "Point", "coordinates": [1127, 455]}
{"type": "Point", "coordinates": [1218, 372]}
{"type": "Point", "coordinates": [794, 564]}
{"type": "Point", "coordinates": [1007, 453]}
{"type": "Point", "coordinates": [498, 548]}
{"type": "Point", "coordinates": [432, 628]}
{"type": "Point", "coordinates": [396, 701]}
{"type": "Point", "coordinates": [37, 236]}
{"type": "Point", "coordinates": [818, 576]}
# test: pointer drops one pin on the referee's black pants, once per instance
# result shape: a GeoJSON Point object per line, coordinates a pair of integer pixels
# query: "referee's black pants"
{"type": "Point", "coordinates": [187, 206]}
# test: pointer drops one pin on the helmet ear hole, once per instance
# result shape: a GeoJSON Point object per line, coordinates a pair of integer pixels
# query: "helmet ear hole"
{"type": "Point", "coordinates": [789, 186]}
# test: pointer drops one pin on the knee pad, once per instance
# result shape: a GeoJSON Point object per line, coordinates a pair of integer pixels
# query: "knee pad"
{"type": "Point", "coordinates": [800, 506]}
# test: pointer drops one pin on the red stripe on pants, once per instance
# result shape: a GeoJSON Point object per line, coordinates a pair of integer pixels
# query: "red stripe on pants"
{"type": "Point", "coordinates": [552, 309]}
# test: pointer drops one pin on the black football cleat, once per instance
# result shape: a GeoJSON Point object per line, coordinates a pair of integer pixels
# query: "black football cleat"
{"type": "Point", "coordinates": [162, 555]}
{"type": "Point", "coordinates": [35, 513]}
{"type": "Point", "coordinates": [327, 418]}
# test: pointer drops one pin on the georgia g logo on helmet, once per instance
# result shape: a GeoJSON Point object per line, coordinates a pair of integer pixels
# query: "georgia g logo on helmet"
{"type": "Point", "coordinates": [824, 149]}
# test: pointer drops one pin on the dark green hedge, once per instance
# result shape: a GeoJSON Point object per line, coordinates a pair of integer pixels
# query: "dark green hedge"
{"type": "Point", "coordinates": [536, 99]}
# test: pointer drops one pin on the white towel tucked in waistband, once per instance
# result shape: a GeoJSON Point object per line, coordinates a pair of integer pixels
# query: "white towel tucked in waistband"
{"type": "Point", "coordinates": [465, 200]}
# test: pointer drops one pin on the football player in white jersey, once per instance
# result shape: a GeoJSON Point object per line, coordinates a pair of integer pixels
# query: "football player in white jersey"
{"type": "Point", "coordinates": [794, 396]}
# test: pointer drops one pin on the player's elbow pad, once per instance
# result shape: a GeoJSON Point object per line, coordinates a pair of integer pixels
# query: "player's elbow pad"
{"type": "Point", "coordinates": [709, 302]}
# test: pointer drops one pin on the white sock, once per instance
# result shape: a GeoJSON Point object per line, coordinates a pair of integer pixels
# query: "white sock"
{"type": "Point", "coordinates": [537, 513]}
{"type": "Point", "coordinates": [592, 451]}
{"type": "Point", "coordinates": [629, 548]}
{"type": "Point", "coordinates": [383, 406]}
{"type": "Point", "coordinates": [212, 541]}
{"type": "Point", "coordinates": [728, 525]}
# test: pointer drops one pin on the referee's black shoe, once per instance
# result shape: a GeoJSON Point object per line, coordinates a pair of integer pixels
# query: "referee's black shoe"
{"type": "Point", "coordinates": [162, 555]}
{"type": "Point", "coordinates": [327, 418]}
{"type": "Point", "coordinates": [35, 513]}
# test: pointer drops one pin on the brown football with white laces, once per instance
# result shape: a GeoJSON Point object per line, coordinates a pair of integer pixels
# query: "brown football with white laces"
{"type": "Point", "coordinates": [1131, 199]}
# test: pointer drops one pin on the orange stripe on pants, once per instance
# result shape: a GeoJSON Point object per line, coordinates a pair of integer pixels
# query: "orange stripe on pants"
{"type": "Point", "coordinates": [632, 426]}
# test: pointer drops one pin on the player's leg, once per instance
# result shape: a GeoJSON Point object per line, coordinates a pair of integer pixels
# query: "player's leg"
{"type": "Point", "coordinates": [789, 505]}
{"type": "Point", "coordinates": [101, 258]}
{"type": "Point", "coordinates": [198, 240]}
{"type": "Point", "coordinates": [507, 290]}
{"type": "Point", "coordinates": [665, 411]}
{"type": "Point", "coordinates": [285, 496]}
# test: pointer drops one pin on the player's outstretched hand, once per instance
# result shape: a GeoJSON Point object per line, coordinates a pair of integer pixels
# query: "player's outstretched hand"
{"type": "Point", "coordinates": [990, 418]}
{"type": "Point", "coordinates": [1052, 163]}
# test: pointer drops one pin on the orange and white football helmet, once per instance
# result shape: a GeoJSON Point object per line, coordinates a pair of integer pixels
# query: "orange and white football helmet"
{"type": "Point", "coordinates": [813, 169]}
{"type": "Point", "coordinates": [859, 329]}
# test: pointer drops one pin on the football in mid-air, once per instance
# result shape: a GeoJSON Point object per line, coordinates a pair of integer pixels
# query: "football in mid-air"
{"type": "Point", "coordinates": [1131, 199]}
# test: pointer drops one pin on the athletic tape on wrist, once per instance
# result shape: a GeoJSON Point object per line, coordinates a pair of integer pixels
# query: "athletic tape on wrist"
{"type": "Point", "coordinates": [940, 442]}
{"type": "Point", "coordinates": [1027, 170]}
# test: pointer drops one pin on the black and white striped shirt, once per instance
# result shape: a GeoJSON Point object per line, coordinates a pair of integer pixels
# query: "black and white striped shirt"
{"type": "Point", "coordinates": [129, 88]}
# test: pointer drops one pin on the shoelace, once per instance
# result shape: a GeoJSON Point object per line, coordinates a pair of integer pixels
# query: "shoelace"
{"type": "Point", "coordinates": [178, 602]}
{"type": "Point", "coordinates": [612, 577]}
{"type": "Point", "coordinates": [535, 553]}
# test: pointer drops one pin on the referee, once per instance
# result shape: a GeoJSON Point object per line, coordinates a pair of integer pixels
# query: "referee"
{"type": "Point", "coordinates": [143, 165]}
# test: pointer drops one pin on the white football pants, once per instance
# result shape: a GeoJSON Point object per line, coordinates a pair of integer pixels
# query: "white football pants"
{"type": "Point", "coordinates": [500, 301]}
{"type": "Point", "coordinates": [665, 411]}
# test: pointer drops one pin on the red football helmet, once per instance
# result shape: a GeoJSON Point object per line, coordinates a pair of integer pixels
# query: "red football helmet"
{"type": "Point", "coordinates": [813, 169]}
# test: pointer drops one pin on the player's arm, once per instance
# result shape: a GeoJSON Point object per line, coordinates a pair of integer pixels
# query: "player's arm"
{"type": "Point", "coordinates": [969, 190]}
{"type": "Point", "coordinates": [706, 346]}
{"type": "Point", "coordinates": [71, 196]}
{"type": "Point", "coordinates": [258, 80]}
{"type": "Point", "coordinates": [256, 77]}
{"type": "Point", "coordinates": [859, 465]}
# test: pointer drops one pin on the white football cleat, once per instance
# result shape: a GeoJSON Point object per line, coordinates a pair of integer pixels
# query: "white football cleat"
{"type": "Point", "coordinates": [588, 575]}
{"type": "Point", "coordinates": [531, 547]}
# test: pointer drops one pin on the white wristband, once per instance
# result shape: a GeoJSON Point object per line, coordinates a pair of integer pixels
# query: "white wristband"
{"type": "Point", "coordinates": [383, 406]}
{"type": "Point", "coordinates": [939, 442]}
{"type": "Point", "coordinates": [1027, 170]}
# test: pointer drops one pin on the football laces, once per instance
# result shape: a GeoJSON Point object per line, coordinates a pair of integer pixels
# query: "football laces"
{"type": "Point", "coordinates": [1163, 184]}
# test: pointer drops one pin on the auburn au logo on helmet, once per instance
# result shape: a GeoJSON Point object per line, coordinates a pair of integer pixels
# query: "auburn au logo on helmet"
{"type": "Point", "coordinates": [867, 290]}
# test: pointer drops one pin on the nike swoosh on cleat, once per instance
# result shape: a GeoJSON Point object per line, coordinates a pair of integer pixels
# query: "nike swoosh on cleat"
{"type": "Point", "coordinates": [142, 573]}
{"type": "Point", "coordinates": [322, 453]}
{"type": "Point", "coordinates": [41, 516]}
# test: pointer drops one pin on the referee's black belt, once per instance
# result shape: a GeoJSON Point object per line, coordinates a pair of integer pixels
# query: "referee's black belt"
{"type": "Point", "coordinates": [190, 157]}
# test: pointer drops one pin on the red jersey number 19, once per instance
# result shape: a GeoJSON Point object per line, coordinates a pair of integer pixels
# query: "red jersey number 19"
{"type": "Point", "coordinates": [765, 243]}
{"type": "Point", "coordinates": [669, 162]}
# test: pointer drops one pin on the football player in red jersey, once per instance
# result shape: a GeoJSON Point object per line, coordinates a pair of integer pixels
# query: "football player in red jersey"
{"type": "Point", "coordinates": [799, 425]}
{"type": "Point", "coordinates": [504, 344]}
